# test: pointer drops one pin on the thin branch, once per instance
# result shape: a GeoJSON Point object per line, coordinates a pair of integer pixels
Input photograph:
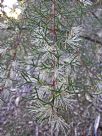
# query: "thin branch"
{"type": "Point", "coordinates": [92, 39]}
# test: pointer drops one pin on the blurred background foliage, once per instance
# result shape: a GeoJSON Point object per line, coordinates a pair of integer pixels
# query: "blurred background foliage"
{"type": "Point", "coordinates": [51, 69]}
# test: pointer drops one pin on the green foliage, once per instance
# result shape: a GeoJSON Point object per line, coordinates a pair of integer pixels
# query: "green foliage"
{"type": "Point", "coordinates": [46, 49]}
